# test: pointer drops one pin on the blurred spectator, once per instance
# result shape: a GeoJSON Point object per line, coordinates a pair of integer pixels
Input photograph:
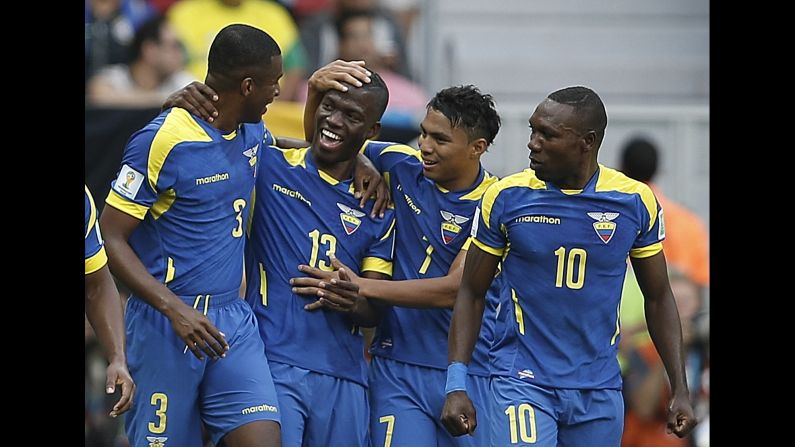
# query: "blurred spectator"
{"type": "Point", "coordinates": [646, 390]}
{"type": "Point", "coordinates": [406, 12]}
{"type": "Point", "coordinates": [304, 8]}
{"type": "Point", "coordinates": [407, 100]}
{"type": "Point", "coordinates": [108, 34]}
{"type": "Point", "coordinates": [157, 69]}
{"type": "Point", "coordinates": [320, 39]}
{"type": "Point", "coordinates": [198, 21]}
{"type": "Point", "coordinates": [686, 241]}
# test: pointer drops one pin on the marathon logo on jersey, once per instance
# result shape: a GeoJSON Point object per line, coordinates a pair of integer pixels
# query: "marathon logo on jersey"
{"type": "Point", "coordinates": [260, 408]}
{"type": "Point", "coordinates": [128, 182]}
{"type": "Point", "coordinates": [251, 153]}
{"type": "Point", "coordinates": [350, 218]}
{"type": "Point", "coordinates": [386, 343]}
{"type": "Point", "coordinates": [451, 225]}
{"type": "Point", "coordinates": [604, 226]}
{"type": "Point", "coordinates": [157, 441]}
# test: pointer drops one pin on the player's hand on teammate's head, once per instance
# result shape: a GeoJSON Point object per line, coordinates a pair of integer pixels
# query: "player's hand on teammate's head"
{"type": "Point", "coordinates": [197, 98]}
{"type": "Point", "coordinates": [681, 418]}
{"type": "Point", "coordinates": [117, 374]}
{"type": "Point", "coordinates": [368, 183]}
{"type": "Point", "coordinates": [333, 74]}
{"type": "Point", "coordinates": [458, 415]}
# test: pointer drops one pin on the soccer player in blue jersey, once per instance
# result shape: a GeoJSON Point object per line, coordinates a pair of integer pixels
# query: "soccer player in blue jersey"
{"type": "Point", "coordinates": [436, 190]}
{"type": "Point", "coordinates": [563, 229]}
{"type": "Point", "coordinates": [103, 308]}
{"type": "Point", "coordinates": [174, 230]}
{"type": "Point", "coordinates": [305, 212]}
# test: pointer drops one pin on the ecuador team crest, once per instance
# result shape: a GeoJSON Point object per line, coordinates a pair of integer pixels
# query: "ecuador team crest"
{"type": "Point", "coordinates": [350, 218]}
{"type": "Point", "coordinates": [451, 225]}
{"type": "Point", "coordinates": [604, 226]}
{"type": "Point", "coordinates": [157, 441]}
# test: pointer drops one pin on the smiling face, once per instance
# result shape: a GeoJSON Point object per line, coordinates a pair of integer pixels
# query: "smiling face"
{"type": "Point", "coordinates": [446, 151]}
{"type": "Point", "coordinates": [263, 89]}
{"type": "Point", "coordinates": [343, 122]}
{"type": "Point", "coordinates": [556, 142]}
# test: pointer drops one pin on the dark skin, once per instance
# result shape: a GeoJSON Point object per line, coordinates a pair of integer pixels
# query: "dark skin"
{"type": "Point", "coordinates": [103, 308]}
{"type": "Point", "coordinates": [350, 117]}
{"type": "Point", "coordinates": [427, 293]}
{"type": "Point", "coordinates": [244, 101]}
{"type": "Point", "coordinates": [451, 160]}
{"type": "Point", "coordinates": [563, 152]}
{"type": "Point", "coordinates": [201, 100]}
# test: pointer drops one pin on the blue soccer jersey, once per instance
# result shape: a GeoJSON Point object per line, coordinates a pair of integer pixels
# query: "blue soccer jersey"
{"type": "Point", "coordinates": [433, 226]}
{"type": "Point", "coordinates": [190, 185]}
{"type": "Point", "coordinates": [563, 265]}
{"type": "Point", "coordinates": [302, 216]}
{"type": "Point", "coordinates": [96, 258]}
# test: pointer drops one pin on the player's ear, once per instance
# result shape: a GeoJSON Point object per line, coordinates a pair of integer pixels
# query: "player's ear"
{"type": "Point", "coordinates": [477, 148]}
{"type": "Point", "coordinates": [589, 140]}
{"type": "Point", "coordinates": [374, 131]}
{"type": "Point", "coordinates": [246, 86]}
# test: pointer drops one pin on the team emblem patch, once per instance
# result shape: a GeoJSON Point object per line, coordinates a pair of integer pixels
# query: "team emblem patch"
{"type": "Point", "coordinates": [350, 218]}
{"type": "Point", "coordinates": [157, 441]}
{"type": "Point", "coordinates": [451, 225]}
{"type": "Point", "coordinates": [604, 226]}
{"type": "Point", "coordinates": [251, 153]}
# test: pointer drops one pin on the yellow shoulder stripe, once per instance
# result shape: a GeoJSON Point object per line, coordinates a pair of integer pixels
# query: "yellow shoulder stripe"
{"type": "Point", "coordinates": [525, 178]}
{"type": "Point", "coordinates": [294, 157]}
{"type": "Point", "coordinates": [178, 127]}
{"type": "Point", "coordinates": [403, 149]}
{"type": "Point", "coordinates": [477, 193]}
{"type": "Point", "coordinates": [612, 180]}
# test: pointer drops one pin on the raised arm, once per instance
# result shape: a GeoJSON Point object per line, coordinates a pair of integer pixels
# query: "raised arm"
{"type": "Point", "coordinates": [662, 319]}
{"type": "Point", "coordinates": [327, 77]}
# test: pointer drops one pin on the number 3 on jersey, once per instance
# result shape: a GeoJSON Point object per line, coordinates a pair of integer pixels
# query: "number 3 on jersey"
{"type": "Point", "coordinates": [239, 205]}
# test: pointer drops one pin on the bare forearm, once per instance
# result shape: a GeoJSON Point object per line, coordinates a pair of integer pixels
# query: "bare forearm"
{"type": "Point", "coordinates": [419, 293]}
{"type": "Point", "coordinates": [365, 312]}
{"type": "Point", "coordinates": [103, 308]}
{"type": "Point", "coordinates": [666, 333]}
{"type": "Point", "coordinates": [464, 327]}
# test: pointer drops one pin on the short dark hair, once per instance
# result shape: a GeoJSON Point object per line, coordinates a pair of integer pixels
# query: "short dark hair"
{"type": "Point", "coordinates": [639, 159]}
{"type": "Point", "coordinates": [377, 87]}
{"type": "Point", "coordinates": [468, 109]}
{"type": "Point", "coordinates": [149, 30]}
{"type": "Point", "coordinates": [588, 106]}
{"type": "Point", "coordinates": [237, 51]}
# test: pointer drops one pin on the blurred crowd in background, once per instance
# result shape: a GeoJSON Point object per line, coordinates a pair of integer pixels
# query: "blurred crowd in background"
{"type": "Point", "coordinates": [137, 52]}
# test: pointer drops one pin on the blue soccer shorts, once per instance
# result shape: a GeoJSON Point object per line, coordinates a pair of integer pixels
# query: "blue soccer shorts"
{"type": "Point", "coordinates": [175, 391]}
{"type": "Point", "coordinates": [319, 409]}
{"type": "Point", "coordinates": [527, 414]}
{"type": "Point", "coordinates": [407, 402]}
